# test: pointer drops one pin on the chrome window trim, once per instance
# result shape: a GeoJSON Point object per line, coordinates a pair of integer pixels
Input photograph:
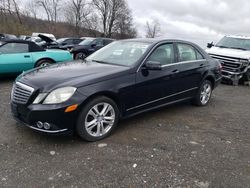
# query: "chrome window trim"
{"type": "Point", "coordinates": [183, 62]}
{"type": "Point", "coordinates": [161, 99]}
{"type": "Point", "coordinates": [176, 63]}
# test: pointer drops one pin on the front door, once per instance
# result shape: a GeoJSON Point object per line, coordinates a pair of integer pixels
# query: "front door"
{"type": "Point", "coordinates": [154, 87]}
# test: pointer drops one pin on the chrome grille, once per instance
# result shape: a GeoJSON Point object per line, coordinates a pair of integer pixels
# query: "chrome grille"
{"type": "Point", "coordinates": [229, 64]}
{"type": "Point", "coordinates": [21, 93]}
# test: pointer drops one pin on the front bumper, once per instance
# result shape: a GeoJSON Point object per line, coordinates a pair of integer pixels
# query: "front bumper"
{"type": "Point", "coordinates": [59, 121]}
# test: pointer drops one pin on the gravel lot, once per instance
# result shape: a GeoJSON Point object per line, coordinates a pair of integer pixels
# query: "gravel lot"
{"type": "Point", "coordinates": [177, 146]}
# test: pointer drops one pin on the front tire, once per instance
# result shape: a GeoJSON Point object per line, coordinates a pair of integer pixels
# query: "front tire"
{"type": "Point", "coordinates": [204, 94]}
{"type": "Point", "coordinates": [98, 119]}
{"type": "Point", "coordinates": [44, 63]}
{"type": "Point", "coordinates": [80, 56]}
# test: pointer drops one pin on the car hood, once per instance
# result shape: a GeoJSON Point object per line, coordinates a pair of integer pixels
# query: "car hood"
{"type": "Point", "coordinates": [46, 39]}
{"type": "Point", "coordinates": [80, 47]}
{"type": "Point", "coordinates": [76, 74]}
{"type": "Point", "coordinates": [229, 52]}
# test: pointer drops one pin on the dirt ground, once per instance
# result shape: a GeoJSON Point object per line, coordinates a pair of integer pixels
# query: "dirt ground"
{"type": "Point", "coordinates": [176, 146]}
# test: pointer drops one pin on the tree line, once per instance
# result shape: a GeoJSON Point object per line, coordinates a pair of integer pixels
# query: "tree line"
{"type": "Point", "coordinates": [106, 18]}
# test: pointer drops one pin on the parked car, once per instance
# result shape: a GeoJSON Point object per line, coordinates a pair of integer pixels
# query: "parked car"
{"type": "Point", "coordinates": [7, 36]}
{"type": "Point", "coordinates": [36, 40]}
{"type": "Point", "coordinates": [234, 55]}
{"type": "Point", "coordinates": [47, 42]}
{"type": "Point", "coordinates": [121, 80]}
{"type": "Point", "coordinates": [89, 46]}
{"type": "Point", "coordinates": [51, 36]}
{"type": "Point", "coordinates": [63, 43]}
{"type": "Point", "coordinates": [24, 37]}
{"type": "Point", "coordinates": [18, 55]}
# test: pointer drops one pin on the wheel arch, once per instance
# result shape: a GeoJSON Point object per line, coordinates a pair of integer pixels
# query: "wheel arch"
{"type": "Point", "coordinates": [211, 79]}
{"type": "Point", "coordinates": [46, 58]}
{"type": "Point", "coordinates": [112, 95]}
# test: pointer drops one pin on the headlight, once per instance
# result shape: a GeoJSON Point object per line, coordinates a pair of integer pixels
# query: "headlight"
{"type": "Point", "coordinates": [60, 95]}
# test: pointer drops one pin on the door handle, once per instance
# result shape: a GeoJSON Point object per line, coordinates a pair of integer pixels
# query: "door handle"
{"type": "Point", "coordinates": [175, 71]}
{"type": "Point", "coordinates": [201, 65]}
{"type": "Point", "coordinates": [27, 56]}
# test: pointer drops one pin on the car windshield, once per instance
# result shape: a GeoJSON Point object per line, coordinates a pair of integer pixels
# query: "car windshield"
{"type": "Point", "coordinates": [124, 53]}
{"type": "Point", "coordinates": [86, 42]}
{"type": "Point", "coordinates": [236, 43]}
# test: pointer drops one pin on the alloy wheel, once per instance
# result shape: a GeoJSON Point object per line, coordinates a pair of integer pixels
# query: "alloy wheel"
{"type": "Point", "coordinates": [205, 93]}
{"type": "Point", "coordinates": [100, 119]}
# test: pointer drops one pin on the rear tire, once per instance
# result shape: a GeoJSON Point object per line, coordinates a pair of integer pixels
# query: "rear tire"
{"type": "Point", "coordinates": [204, 94]}
{"type": "Point", "coordinates": [98, 119]}
{"type": "Point", "coordinates": [44, 63]}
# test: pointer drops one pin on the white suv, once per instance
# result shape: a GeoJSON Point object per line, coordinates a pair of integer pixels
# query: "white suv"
{"type": "Point", "coordinates": [234, 55]}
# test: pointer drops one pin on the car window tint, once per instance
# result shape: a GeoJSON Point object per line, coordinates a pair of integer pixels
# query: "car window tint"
{"type": "Point", "coordinates": [77, 41]}
{"type": "Point", "coordinates": [199, 56]}
{"type": "Point", "coordinates": [186, 52]}
{"type": "Point", "coordinates": [106, 42]}
{"type": "Point", "coordinates": [98, 42]}
{"type": "Point", "coordinates": [163, 54]}
{"type": "Point", "coordinates": [69, 41]}
{"type": "Point", "coordinates": [11, 48]}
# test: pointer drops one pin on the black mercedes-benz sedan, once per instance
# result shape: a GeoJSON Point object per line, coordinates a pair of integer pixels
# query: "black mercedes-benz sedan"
{"type": "Point", "coordinates": [121, 80]}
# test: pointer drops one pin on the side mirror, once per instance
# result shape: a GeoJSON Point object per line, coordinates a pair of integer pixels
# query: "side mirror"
{"type": "Point", "coordinates": [153, 65]}
{"type": "Point", "coordinates": [210, 45]}
{"type": "Point", "coordinates": [93, 45]}
{"type": "Point", "coordinates": [64, 43]}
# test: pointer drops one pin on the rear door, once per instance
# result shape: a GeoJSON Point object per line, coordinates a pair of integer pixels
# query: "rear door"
{"type": "Point", "coordinates": [190, 67]}
{"type": "Point", "coordinates": [15, 58]}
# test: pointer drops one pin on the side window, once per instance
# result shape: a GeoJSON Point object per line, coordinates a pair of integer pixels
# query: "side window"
{"type": "Point", "coordinates": [11, 48]}
{"type": "Point", "coordinates": [98, 42]}
{"type": "Point", "coordinates": [163, 54]}
{"type": "Point", "coordinates": [106, 42]}
{"type": "Point", "coordinates": [199, 56]}
{"type": "Point", "coordinates": [77, 41]}
{"type": "Point", "coordinates": [68, 42]}
{"type": "Point", "coordinates": [188, 53]}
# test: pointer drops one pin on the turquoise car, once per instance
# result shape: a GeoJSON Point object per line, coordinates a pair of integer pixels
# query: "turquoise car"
{"type": "Point", "coordinates": [17, 56]}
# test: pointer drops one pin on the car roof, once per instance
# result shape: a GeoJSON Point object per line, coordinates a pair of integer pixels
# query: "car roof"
{"type": "Point", "coordinates": [32, 45]}
{"type": "Point", "coordinates": [105, 38]}
{"type": "Point", "coordinates": [157, 40]}
{"type": "Point", "coordinates": [17, 41]}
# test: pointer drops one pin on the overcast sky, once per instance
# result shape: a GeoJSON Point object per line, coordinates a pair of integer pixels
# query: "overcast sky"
{"type": "Point", "coordinates": [200, 21]}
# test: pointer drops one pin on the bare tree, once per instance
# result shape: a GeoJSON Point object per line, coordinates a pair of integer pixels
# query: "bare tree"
{"type": "Point", "coordinates": [51, 8]}
{"type": "Point", "coordinates": [153, 29]}
{"type": "Point", "coordinates": [109, 11]}
{"type": "Point", "coordinates": [91, 24]}
{"type": "Point", "coordinates": [77, 12]}
{"type": "Point", "coordinates": [124, 25]}
{"type": "Point", "coordinates": [32, 9]}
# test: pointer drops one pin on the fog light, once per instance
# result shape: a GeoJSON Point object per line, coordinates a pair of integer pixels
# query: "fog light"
{"type": "Point", "coordinates": [46, 126]}
{"type": "Point", "coordinates": [39, 124]}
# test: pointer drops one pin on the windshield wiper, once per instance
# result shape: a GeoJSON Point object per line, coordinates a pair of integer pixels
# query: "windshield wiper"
{"type": "Point", "coordinates": [102, 62]}
{"type": "Point", "coordinates": [222, 46]}
{"type": "Point", "coordinates": [239, 48]}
